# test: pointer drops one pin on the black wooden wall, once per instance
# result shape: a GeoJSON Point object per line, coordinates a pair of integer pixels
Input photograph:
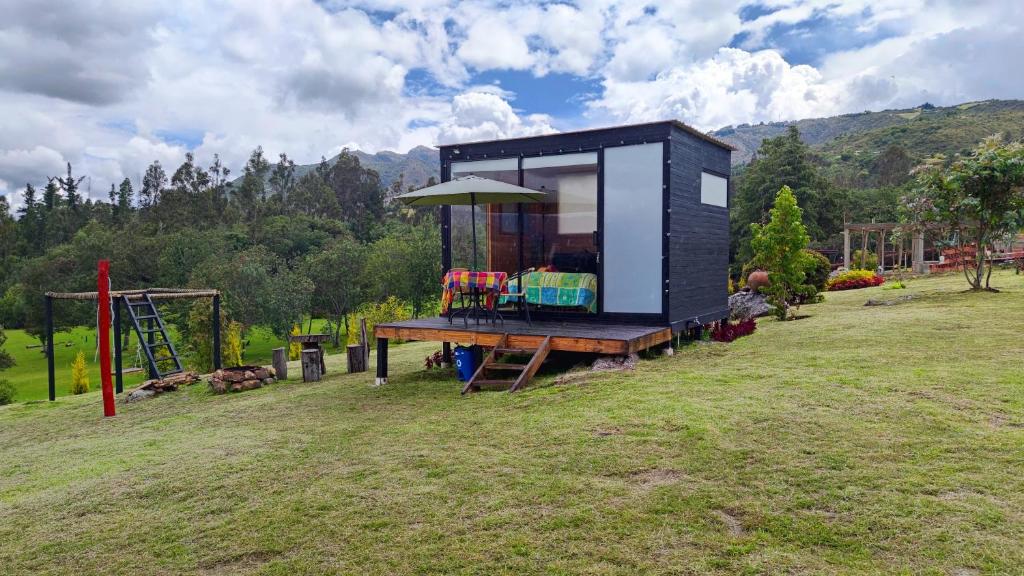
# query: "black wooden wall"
{"type": "Point", "coordinates": [698, 240]}
{"type": "Point", "coordinates": [699, 234]}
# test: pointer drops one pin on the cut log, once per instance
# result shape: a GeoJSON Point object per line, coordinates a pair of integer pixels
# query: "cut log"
{"type": "Point", "coordinates": [356, 358]}
{"type": "Point", "coordinates": [311, 366]}
{"type": "Point", "coordinates": [281, 363]}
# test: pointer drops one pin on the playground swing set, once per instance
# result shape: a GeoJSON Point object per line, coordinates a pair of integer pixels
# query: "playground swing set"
{"type": "Point", "coordinates": [154, 340]}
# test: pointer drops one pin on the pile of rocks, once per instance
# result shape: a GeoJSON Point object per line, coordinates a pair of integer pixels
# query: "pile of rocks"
{"type": "Point", "coordinates": [241, 378]}
{"type": "Point", "coordinates": [748, 304]}
{"type": "Point", "coordinates": [151, 388]}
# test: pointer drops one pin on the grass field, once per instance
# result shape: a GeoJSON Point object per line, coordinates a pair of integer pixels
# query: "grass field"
{"type": "Point", "coordinates": [858, 440]}
{"type": "Point", "coordinates": [29, 375]}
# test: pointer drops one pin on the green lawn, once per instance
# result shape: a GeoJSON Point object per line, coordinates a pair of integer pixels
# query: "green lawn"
{"type": "Point", "coordinates": [858, 440]}
{"type": "Point", "coordinates": [29, 373]}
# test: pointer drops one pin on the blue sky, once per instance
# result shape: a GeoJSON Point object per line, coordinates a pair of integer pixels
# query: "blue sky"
{"type": "Point", "coordinates": [135, 82]}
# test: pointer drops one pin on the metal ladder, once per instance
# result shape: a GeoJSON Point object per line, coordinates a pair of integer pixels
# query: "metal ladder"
{"type": "Point", "coordinates": [144, 309]}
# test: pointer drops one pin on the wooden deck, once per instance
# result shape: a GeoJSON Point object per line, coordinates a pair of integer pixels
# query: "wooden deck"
{"type": "Point", "coordinates": [581, 336]}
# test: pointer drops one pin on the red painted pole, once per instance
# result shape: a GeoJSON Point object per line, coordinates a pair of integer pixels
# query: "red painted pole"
{"type": "Point", "coordinates": [103, 287]}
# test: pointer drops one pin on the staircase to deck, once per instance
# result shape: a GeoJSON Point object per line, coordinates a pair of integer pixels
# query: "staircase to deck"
{"type": "Point", "coordinates": [495, 372]}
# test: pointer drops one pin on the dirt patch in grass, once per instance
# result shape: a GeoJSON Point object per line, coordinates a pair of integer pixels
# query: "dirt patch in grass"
{"type": "Point", "coordinates": [656, 477]}
{"type": "Point", "coordinates": [732, 522]}
{"type": "Point", "coordinates": [1000, 420]}
{"type": "Point", "coordinates": [603, 431]}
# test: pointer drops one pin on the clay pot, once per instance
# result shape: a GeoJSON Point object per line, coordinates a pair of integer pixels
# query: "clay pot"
{"type": "Point", "coordinates": [758, 279]}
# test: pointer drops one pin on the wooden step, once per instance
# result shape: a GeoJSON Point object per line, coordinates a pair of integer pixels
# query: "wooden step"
{"type": "Point", "coordinates": [482, 382]}
{"type": "Point", "coordinates": [514, 351]}
{"type": "Point", "coordinates": [505, 366]}
{"type": "Point", "coordinates": [490, 363]}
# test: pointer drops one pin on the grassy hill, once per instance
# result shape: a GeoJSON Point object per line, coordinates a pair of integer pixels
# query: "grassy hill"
{"type": "Point", "coordinates": [850, 143]}
{"type": "Point", "coordinates": [878, 440]}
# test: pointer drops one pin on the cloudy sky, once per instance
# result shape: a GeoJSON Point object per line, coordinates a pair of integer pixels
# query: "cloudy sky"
{"type": "Point", "coordinates": [113, 85]}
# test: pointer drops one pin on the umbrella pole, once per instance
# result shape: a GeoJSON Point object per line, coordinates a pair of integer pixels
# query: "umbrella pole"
{"type": "Point", "coordinates": [472, 219]}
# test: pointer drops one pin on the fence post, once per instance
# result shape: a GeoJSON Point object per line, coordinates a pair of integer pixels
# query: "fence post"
{"type": "Point", "coordinates": [49, 348]}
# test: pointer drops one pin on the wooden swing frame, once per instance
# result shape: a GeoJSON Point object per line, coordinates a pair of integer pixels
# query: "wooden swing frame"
{"type": "Point", "coordinates": [116, 297]}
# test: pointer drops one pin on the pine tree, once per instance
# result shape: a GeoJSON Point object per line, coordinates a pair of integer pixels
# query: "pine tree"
{"type": "Point", "coordinates": [79, 375]}
{"type": "Point", "coordinates": [70, 186]}
{"type": "Point", "coordinates": [779, 247]}
{"type": "Point", "coordinates": [124, 199]}
{"type": "Point", "coordinates": [51, 196]}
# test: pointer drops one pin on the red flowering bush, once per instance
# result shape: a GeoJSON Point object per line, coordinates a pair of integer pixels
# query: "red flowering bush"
{"type": "Point", "coordinates": [726, 332]}
{"type": "Point", "coordinates": [852, 279]}
{"type": "Point", "coordinates": [434, 359]}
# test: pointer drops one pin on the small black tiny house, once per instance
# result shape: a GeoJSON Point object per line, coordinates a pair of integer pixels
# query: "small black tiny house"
{"type": "Point", "coordinates": [635, 228]}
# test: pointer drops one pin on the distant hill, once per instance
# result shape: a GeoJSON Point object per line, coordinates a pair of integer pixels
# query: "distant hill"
{"type": "Point", "coordinates": [416, 165]}
{"type": "Point", "coordinates": [848, 145]}
{"type": "Point", "coordinates": [854, 141]}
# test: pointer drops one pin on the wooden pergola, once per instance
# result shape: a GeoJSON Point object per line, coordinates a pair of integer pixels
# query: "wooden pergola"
{"type": "Point", "coordinates": [117, 297]}
{"type": "Point", "coordinates": [918, 264]}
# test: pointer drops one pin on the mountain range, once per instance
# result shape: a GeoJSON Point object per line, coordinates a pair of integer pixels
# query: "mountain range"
{"type": "Point", "coordinates": [848, 144]}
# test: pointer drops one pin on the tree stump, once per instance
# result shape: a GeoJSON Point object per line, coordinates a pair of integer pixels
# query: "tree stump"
{"type": "Point", "coordinates": [356, 358]}
{"type": "Point", "coordinates": [311, 366]}
{"type": "Point", "coordinates": [280, 363]}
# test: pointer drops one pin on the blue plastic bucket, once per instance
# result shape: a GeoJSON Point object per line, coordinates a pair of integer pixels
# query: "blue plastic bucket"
{"type": "Point", "coordinates": [465, 362]}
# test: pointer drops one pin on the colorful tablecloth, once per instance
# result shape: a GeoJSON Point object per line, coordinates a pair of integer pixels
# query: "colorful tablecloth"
{"type": "Point", "coordinates": [491, 283]}
{"type": "Point", "coordinates": [566, 289]}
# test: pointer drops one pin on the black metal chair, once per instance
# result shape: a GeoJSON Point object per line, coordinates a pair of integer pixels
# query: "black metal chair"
{"type": "Point", "coordinates": [520, 303]}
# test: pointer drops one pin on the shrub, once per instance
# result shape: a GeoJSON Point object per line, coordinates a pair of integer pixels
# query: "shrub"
{"type": "Point", "coordinates": [79, 375]}
{"type": "Point", "coordinates": [726, 332]}
{"type": "Point", "coordinates": [231, 352]}
{"type": "Point", "coordinates": [6, 392]}
{"type": "Point", "coordinates": [817, 269]}
{"type": "Point", "coordinates": [870, 261]}
{"type": "Point", "coordinates": [390, 310]}
{"type": "Point", "coordinates": [851, 279]}
{"type": "Point", "coordinates": [295, 348]}
{"type": "Point", "coordinates": [435, 359]}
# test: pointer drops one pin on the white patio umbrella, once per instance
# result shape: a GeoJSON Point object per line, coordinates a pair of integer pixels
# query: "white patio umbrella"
{"type": "Point", "coordinates": [471, 190]}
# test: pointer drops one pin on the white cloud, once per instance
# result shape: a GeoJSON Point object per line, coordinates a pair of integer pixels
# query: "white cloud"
{"type": "Point", "coordinates": [484, 116]}
{"type": "Point", "coordinates": [111, 86]}
{"type": "Point", "coordinates": [732, 87]}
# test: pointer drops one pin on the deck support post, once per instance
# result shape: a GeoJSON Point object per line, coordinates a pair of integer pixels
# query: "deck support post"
{"type": "Point", "coordinates": [118, 377]}
{"type": "Point", "coordinates": [382, 362]}
{"type": "Point", "coordinates": [49, 349]}
{"type": "Point", "coordinates": [446, 354]}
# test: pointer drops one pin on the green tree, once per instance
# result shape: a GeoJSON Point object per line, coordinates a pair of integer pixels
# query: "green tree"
{"type": "Point", "coordinates": [259, 287]}
{"type": "Point", "coordinates": [339, 279]}
{"type": "Point", "coordinates": [125, 194]}
{"type": "Point", "coordinates": [282, 180]}
{"type": "Point", "coordinates": [6, 361]}
{"type": "Point", "coordinates": [783, 161]}
{"type": "Point", "coordinates": [153, 183]}
{"type": "Point", "coordinates": [980, 196]}
{"type": "Point", "coordinates": [252, 191]}
{"type": "Point", "coordinates": [312, 196]}
{"type": "Point", "coordinates": [779, 247]}
{"type": "Point", "coordinates": [405, 263]}
{"type": "Point", "coordinates": [359, 194]}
